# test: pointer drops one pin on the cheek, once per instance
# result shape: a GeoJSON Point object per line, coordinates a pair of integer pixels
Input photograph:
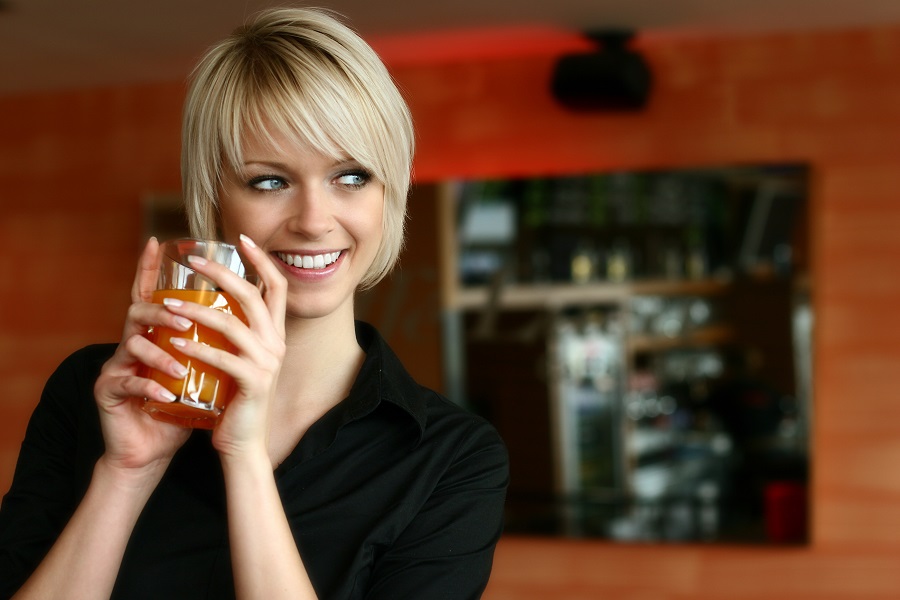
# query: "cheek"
{"type": "Point", "coordinates": [236, 218]}
{"type": "Point", "coordinates": [230, 224]}
{"type": "Point", "coordinates": [373, 224]}
{"type": "Point", "coordinates": [225, 215]}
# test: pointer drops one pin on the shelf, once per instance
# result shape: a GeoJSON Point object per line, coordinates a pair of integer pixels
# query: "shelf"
{"type": "Point", "coordinates": [705, 336]}
{"type": "Point", "coordinates": [561, 295]}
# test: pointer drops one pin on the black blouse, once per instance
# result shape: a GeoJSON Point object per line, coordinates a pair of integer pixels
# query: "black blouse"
{"type": "Point", "coordinates": [395, 493]}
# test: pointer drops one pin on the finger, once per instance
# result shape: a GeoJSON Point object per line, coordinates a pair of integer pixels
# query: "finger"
{"type": "Point", "coordinates": [147, 272]}
{"type": "Point", "coordinates": [241, 291]}
{"type": "Point", "coordinates": [274, 285]}
{"type": "Point", "coordinates": [263, 314]}
{"type": "Point", "coordinates": [228, 325]}
{"type": "Point", "coordinates": [143, 350]}
{"type": "Point", "coordinates": [241, 370]}
{"type": "Point", "coordinates": [111, 391]}
{"type": "Point", "coordinates": [143, 316]}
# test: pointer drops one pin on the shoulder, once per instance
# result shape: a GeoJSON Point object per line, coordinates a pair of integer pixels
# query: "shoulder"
{"type": "Point", "coordinates": [464, 436]}
{"type": "Point", "coordinates": [443, 416]}
{"type": "Point", "coordinates": [87, 360]}
{"type": "Point", "coordinates": [71, 386]}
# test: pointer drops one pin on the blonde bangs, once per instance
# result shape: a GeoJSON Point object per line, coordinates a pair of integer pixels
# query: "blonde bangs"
{"type": "Point", "coordinates": [305, 113]}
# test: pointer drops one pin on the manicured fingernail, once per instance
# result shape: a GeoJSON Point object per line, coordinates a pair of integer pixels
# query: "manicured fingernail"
{"type": "Point", "coordinates": [196, 260]}
{"type": "Point", "coordinates": [178, 342]}
{"type": "Point", "coordinates": [167, 396]}
{"type": "Point", "coordinates": [172, 302]}
{"type": "Point", "coordinates": [183, 323]}
{"type": "Point", "coordinates": [179, 370]}
{"type": "Point", "coordinates": [248, 241]}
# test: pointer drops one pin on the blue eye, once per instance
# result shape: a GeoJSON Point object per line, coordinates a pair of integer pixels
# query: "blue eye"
{"type": "Point", "coordinates": [354, 179]}
{"type": "Point", "coordinates": [268, 183]}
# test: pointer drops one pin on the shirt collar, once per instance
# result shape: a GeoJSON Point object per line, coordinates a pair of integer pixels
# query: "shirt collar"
{"type": "Point", "coordinates": [382, 381]}
{"type": "Point", "coordinates": [383, 378]}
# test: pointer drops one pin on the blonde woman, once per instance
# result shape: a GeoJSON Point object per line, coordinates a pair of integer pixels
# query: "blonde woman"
{"type": "Point", "coordinates": [332, 474]}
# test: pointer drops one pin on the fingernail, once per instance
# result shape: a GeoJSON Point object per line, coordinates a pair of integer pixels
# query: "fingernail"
{"type": "Point", "coordinates": [167, 396]}
{"type": "Point", "coordinates": [196, 260]}
{"type": "Point", "coordinates": [178, 342]}
{"type": "Point", "coordinates": [248, 241]}
{"type": "Point", "coordinates": [172, 302]}
{"type": "Point", "coordinates": [183, 323]}
{"type": "Point", "coordinates": [179, 370]}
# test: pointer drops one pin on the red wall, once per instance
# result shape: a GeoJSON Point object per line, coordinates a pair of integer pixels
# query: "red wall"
{"type": "Point", "coordinates": [74, 166]}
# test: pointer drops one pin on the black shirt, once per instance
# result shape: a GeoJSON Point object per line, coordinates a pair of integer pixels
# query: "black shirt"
{"type": "Point", "coordinates": [395, 493]}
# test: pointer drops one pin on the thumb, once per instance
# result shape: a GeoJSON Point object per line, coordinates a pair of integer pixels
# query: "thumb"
{"type": "Point", "coordinates": [147, 272]}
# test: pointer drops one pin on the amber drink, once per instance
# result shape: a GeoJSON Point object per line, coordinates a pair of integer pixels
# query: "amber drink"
{"type": "Point", "coordinates": [205, 391]}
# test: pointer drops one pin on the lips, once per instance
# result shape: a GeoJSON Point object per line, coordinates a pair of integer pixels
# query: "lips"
{"type": "Point", "coordinates": [309, 261]}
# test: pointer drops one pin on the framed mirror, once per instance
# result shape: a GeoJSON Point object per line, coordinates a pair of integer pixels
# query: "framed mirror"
{"type": "Point", "coordinates": [641, 340]}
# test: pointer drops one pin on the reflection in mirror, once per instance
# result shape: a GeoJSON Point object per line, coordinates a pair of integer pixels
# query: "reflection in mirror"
{"type": "Point", "coordinates": [642, 342]}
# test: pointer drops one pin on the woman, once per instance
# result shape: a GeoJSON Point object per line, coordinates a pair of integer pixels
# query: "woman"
{"type": "Point", "coordinates": [332, 474]}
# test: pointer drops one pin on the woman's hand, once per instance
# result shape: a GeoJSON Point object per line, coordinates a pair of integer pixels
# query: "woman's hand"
{"type": "Point", "coordinates": [135, 441]}
{"type": "Point", "coordinates": [243, 429]}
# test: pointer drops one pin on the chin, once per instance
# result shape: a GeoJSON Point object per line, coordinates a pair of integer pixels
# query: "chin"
{"type": "Point", "coordinates": [317, 308]}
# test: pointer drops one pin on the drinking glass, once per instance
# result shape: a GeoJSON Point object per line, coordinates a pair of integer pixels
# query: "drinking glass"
{"type": "Point", "coordinates": [205, 391]}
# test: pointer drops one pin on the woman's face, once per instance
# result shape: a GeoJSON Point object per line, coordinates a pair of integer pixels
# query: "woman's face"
{"type": "Point", "coordinates": [319, 219]}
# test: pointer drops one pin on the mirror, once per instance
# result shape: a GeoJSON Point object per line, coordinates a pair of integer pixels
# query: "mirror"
{"type": "Point", "coordinates": [641, 340]}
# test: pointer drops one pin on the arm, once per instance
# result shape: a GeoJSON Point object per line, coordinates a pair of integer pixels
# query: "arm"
{"type": "Point", "coordinates": [137, 452]}
{"type": "Point", "coordinates": [93, 542]}
{"type": "Point", "coordinates": [264, 555]}
{"type": "Point", "coordinates": [53, 468]}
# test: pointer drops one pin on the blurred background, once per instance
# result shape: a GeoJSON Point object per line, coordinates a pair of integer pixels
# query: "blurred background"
{"type": "Point", "coordinates": [649, 240]}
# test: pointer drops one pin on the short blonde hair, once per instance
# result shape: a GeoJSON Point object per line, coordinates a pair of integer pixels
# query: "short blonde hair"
{"type": "Point", "coordinates": [301, 73]}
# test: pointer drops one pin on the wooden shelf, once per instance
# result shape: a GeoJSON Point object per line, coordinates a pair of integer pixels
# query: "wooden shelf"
{"type": "Point", "coordinates": [561, 295]}
{"type": "Point", "coordinates": [705, 336]}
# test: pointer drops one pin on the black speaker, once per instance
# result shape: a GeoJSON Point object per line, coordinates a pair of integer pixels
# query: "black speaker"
{"type": "Point", "coordinates": [613, 78]}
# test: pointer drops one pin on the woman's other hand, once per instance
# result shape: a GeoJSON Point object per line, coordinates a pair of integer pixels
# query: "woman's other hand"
{"type": "Point", "coordinates": [135, 441]}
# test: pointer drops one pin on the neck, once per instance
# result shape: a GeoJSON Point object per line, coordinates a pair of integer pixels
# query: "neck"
{"type": "Point", "coordinates": [322, 359]}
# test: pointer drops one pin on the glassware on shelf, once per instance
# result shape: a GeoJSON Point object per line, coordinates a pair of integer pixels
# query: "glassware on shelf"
{"type": "Point", "coordinates": [619, 262]}
{"type": "Point", "coordinates": [584, 264]}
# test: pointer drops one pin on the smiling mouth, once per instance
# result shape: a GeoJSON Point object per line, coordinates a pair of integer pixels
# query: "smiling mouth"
{"type": "Point", "coordinates": [309, 261]}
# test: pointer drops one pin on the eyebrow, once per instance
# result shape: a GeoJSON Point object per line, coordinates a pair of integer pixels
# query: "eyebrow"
{"type": "Point", "coordinates": [265, 163]}
{"type": "Point", "coordinates": [343, 160]}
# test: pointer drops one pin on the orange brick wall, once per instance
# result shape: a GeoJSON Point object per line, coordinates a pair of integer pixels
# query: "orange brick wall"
{"type": "Point", "coordinates": [74, 166]}
{"type": "Point", "coordinates": [73, 169]}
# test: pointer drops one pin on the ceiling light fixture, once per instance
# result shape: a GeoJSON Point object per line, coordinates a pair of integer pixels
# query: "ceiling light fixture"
{"type": "Point", "coordinates": [613, 77]}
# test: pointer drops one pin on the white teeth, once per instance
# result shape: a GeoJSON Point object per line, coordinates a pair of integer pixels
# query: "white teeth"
{"type": "Point", "coordinates": [307, 261]}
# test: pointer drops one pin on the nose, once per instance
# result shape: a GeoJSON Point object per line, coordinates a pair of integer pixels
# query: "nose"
{"type": "Point", "coordinates": [311, 214]}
